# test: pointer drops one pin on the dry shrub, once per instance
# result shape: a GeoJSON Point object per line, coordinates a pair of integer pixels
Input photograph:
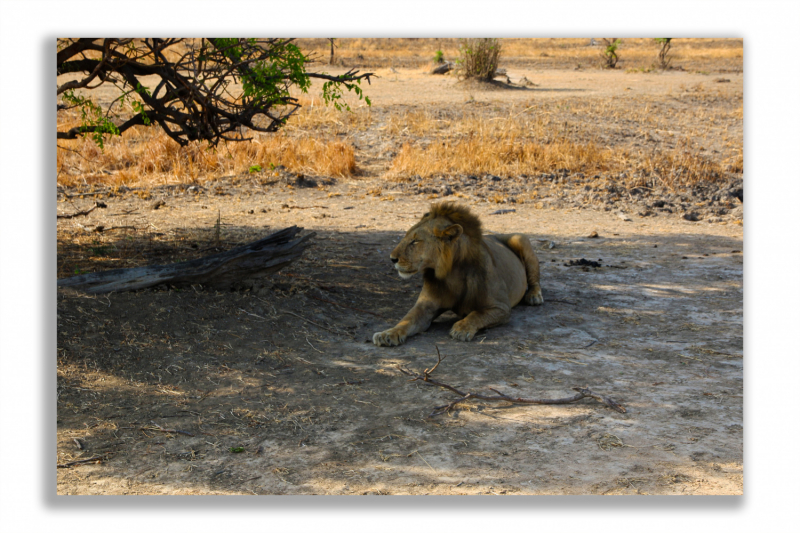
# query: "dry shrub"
{"type": "Point", "coordinates": [478, 58]}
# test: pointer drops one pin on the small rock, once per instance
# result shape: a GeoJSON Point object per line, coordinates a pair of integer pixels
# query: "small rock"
{"type": "Point", "coordinates": [691, 216]}
{"type": "Point", "coordinates": [158, 203]}
{"type": "Point", "coordinates": [593, 235]}
{"type": "Point", "coordinates": [623, 216]}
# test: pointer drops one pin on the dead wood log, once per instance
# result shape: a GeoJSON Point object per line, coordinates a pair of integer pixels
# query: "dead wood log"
{"type": "Point", "coordinates": [443, 68]}
{"type": "Point", "coordinates": [240, 267]}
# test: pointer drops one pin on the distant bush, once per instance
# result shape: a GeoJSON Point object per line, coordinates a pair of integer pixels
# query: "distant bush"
{"type": "Point", "coordinates": [438, 57]}
{"type": "Point", "coordinates": [610, 52]}
{"type": "Point", "coordinates": [479, 58]}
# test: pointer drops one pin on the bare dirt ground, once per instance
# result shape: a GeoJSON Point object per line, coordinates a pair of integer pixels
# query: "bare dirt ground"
{"type": "Point", "coordinates": [280, 391]}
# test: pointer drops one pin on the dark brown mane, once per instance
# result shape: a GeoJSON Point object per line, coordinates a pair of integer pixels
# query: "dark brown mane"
{"type": "Point", "coordinates": [464, 254]}
{"type": "Point", "coordinates": [461, 215]}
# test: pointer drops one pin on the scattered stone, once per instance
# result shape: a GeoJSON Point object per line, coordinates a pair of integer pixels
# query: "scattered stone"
{"type": "Point", "coordinates": [503, 211]}
{"type": "Point", "coordinates": [691, 216]}
{"type": "Point", "coordinates": [158, 203]}
{"type": "Point", "coordinates": [623, 216]}
{"type": "Point", "coordinates": [593, 235]}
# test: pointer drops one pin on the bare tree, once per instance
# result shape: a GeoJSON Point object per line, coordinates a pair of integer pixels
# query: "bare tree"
{"type": "Point", "coordinates": [665, 42]}
{"type": "Point", "coordinates": [207, 89]}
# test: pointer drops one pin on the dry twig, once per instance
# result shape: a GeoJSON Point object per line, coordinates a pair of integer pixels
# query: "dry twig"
{"type": "Point", "coordinates": [95, 459]}
{"type": "Point", "coordinates": [83, 213]}
{"type": "Point", "coordinates": [582, 392]}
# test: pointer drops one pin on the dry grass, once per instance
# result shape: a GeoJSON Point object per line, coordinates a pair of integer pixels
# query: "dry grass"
{"type": "Point", "coordinates": [315, 115]}
{"type": "Point", "coordinates": [566, 135]}
{"type": "Point", "coordinates": [508, 157]}
{"type": "Point", "coordinates": [148, 157]}
{"type": "Point", "coordinates": [501, 156]}
{"type": "Point", "coordinates": [693, 133]}
{"type": "Point", "coordinates": [690, 54]}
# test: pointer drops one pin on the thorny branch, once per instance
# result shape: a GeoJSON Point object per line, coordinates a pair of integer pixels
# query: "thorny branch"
{"type": "Point", "coordinates": [425, 376]}
{"type": "Point", "coordinates": [198, 95]}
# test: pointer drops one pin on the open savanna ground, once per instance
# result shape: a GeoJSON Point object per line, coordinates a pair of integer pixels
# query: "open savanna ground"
{"type": "Point", "coordinates": [279, 390]}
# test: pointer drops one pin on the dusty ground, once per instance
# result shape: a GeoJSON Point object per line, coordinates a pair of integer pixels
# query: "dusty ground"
{"type": "Point", "coordinates": [277, 391]}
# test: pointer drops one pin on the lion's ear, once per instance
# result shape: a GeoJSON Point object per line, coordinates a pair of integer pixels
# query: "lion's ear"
{"type": "Point", "coordinates": [450, 232]}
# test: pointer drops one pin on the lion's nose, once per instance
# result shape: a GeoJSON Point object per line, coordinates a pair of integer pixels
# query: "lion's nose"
{"type": "Point", "coordinates": [394, 259]}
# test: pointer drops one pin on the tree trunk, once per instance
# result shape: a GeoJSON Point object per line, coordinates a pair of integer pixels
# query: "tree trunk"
{"type": "Point", "coordinates": [241, 267]}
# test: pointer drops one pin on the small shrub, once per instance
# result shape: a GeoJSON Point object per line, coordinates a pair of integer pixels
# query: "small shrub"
{"type": "Point", "coordinates": [438, 57]}
{"type": "Point", "coordinates": [479, 58]}
{"type": "Point", "coordinates": [610, 52]}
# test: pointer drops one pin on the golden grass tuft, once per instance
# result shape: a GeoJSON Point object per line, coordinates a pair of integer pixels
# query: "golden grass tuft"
{"type": "Point", "coordinates": [148, 157]}
{"type": "Point", "coordinates": [491, 155]}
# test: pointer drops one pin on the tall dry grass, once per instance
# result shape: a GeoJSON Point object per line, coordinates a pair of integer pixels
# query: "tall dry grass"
{"type": "Point", "coordinates": [540, 140]}
{"type": "Point", "coordinates": [146, 156]}
{"type": "Point", "coordinates": [505, 157]}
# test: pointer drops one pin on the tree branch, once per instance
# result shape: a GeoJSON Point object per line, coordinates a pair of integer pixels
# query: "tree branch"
{"type": "Point", "coordinates": [425, 376]}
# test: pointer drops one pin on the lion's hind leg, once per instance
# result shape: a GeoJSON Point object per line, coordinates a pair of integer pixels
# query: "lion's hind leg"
{"type": "Point", "coordinates": [521, 246]}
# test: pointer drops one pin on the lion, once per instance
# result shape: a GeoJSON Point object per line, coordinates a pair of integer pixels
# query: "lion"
{"type": "Point", "coordinates": [479, 277]}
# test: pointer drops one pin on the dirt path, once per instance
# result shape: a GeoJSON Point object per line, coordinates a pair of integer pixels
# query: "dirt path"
{"type": "Point", "coordinates": [278, 391]}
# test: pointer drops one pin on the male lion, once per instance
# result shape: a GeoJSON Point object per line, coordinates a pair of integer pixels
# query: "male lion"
{"type": "Point", "coordinates": [479, 277]}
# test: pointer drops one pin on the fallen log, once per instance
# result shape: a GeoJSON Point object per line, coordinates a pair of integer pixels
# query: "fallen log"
{"type": "Point", "coordinates": [443, 68]}
{"type": "Point", "coordinates": [241, 267]}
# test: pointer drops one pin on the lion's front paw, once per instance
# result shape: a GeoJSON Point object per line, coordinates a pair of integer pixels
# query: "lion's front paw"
{"type": "Point", "coordinates": [390, 337]}
{"type": "Point", "coordinates": [534, 296]}
{"type": "Point", "coordinates": [462, 331]}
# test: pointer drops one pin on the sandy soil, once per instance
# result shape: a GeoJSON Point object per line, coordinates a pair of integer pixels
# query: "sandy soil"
{"type": "Point", "coordinates": [279, 391]}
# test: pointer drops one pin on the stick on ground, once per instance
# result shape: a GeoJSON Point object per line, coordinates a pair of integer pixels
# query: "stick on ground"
{"type": "Point", "coordinates": [425, 376]}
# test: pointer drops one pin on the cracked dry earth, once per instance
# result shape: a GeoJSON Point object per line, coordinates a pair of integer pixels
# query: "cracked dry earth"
{"type": "Point", "coordinates": [279, 391]}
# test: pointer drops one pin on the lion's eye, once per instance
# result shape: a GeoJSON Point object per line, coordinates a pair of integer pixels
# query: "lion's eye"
{"type": "Point", "coordinates": [413, 242]}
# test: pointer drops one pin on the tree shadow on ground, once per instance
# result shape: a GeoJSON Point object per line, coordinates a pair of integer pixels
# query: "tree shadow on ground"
{"type": "Point", "coordinates": [166, 385]}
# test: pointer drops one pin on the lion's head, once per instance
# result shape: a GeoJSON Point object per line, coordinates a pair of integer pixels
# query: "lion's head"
{"type": "Point", "coordinates": [446, 235]}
